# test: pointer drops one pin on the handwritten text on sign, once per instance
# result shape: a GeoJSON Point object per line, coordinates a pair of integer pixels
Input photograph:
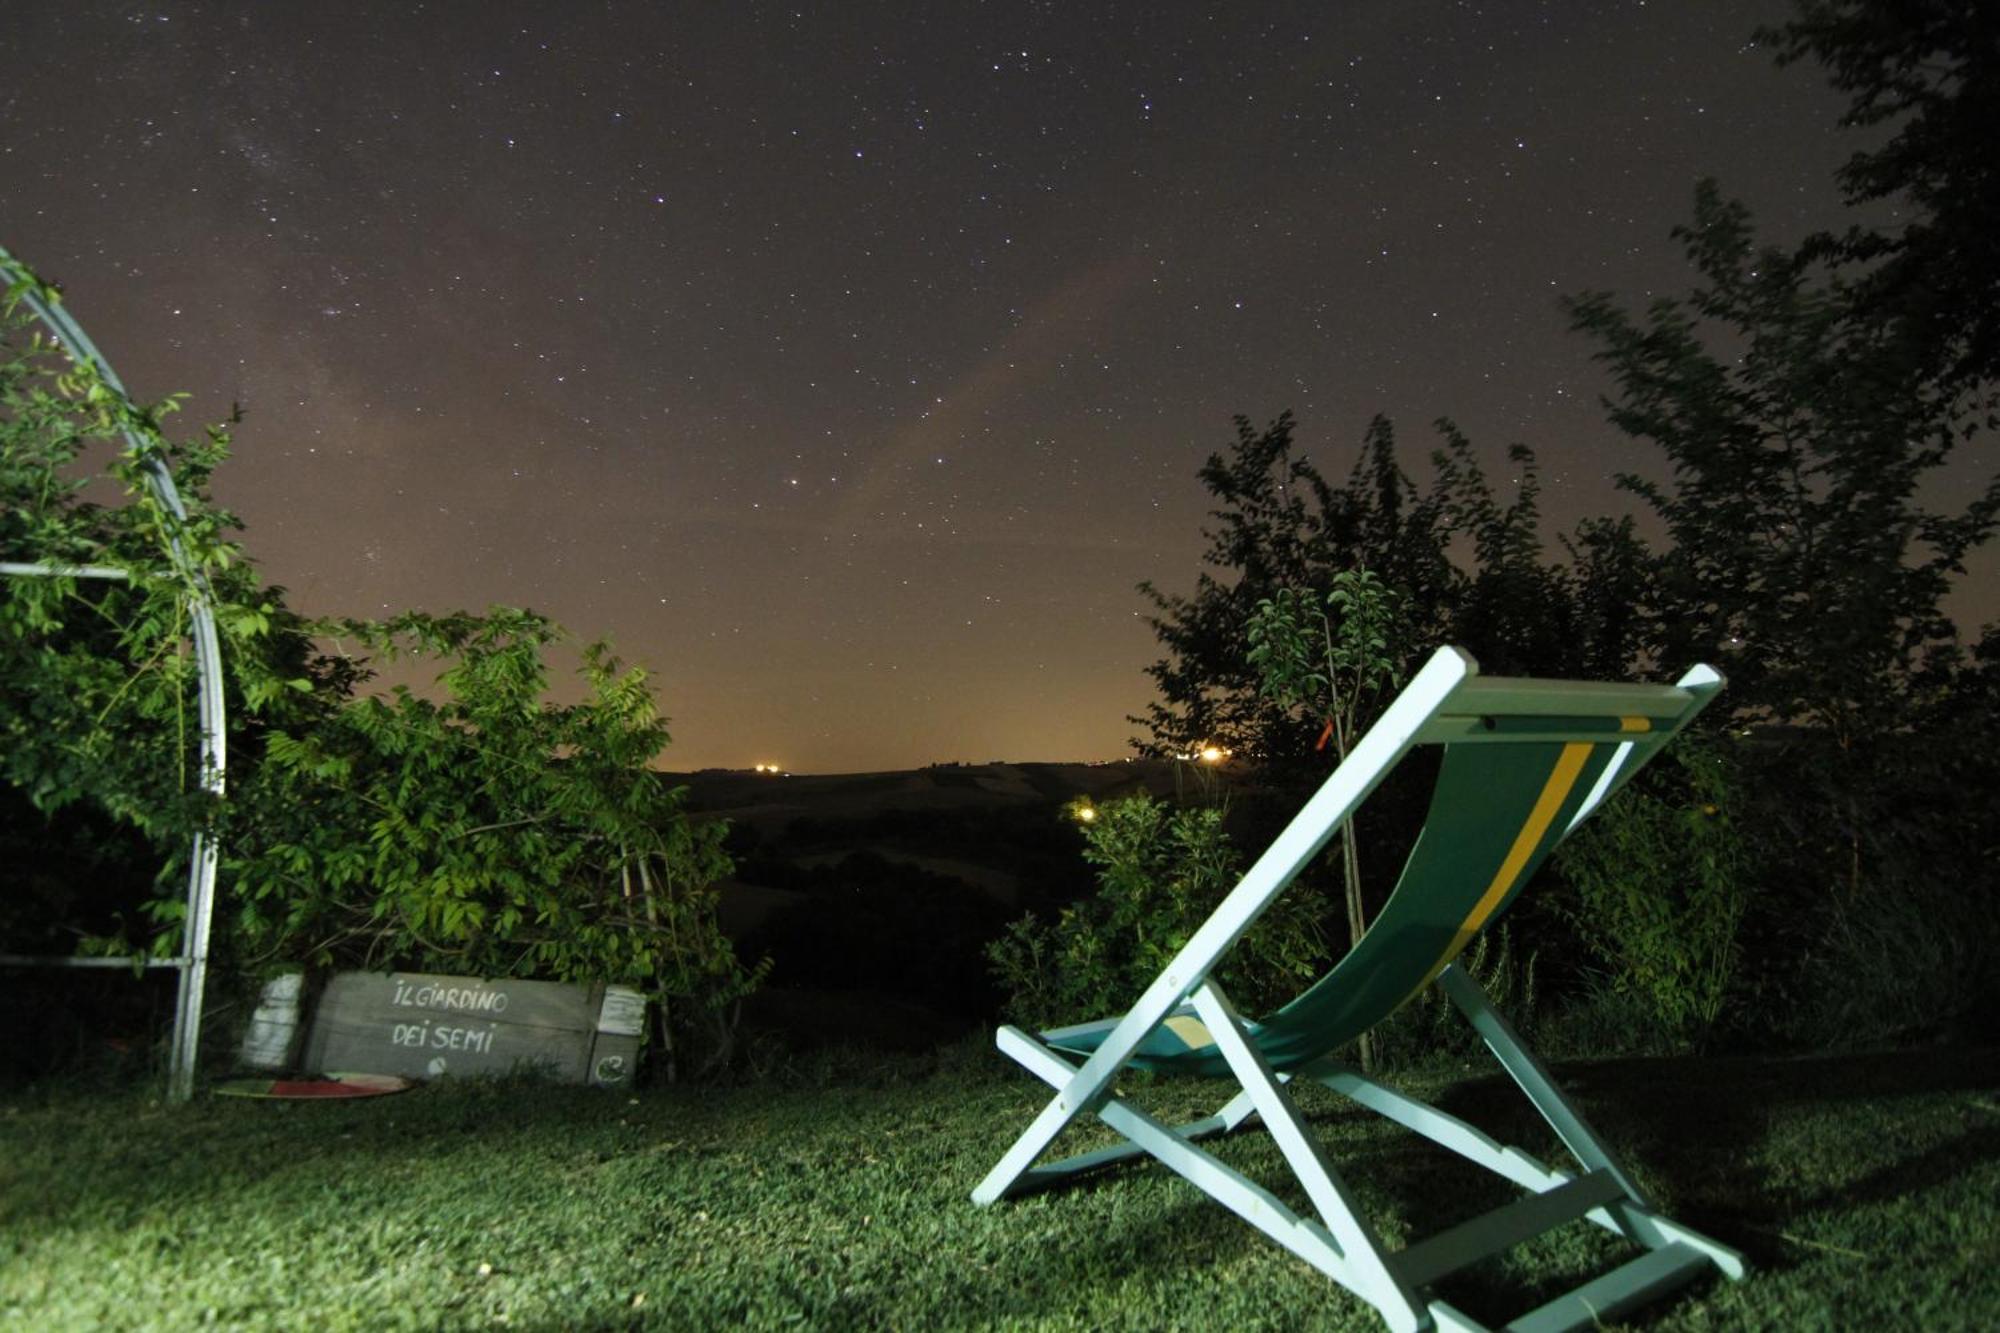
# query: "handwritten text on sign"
{"type": "Point", "coordinates": [435, 995]}
{"type": "Point", "coordinates": [423, 1026]}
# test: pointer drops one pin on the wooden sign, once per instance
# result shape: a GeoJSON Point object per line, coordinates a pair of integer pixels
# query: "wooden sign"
{"type": "Point", "coordinates": [426, 1026]}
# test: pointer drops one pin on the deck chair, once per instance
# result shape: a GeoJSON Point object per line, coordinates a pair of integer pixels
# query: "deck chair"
{"type": "Point", "coordinates": [1524, 762]}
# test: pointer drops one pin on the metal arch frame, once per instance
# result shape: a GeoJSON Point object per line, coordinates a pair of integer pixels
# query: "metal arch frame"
{"type": "Point", "coordinates": [192, 962]}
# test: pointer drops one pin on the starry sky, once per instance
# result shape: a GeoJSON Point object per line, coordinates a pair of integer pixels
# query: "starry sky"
{"type": "Point", "coordinates": [849, 364]}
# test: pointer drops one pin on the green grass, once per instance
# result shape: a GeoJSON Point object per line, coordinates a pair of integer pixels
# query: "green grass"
{"type": "Point", "coordinates": [1865, 1189]}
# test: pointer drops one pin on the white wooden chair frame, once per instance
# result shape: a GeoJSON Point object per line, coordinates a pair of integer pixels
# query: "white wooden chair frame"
{"type": "Point", "coordinates": [1445, 701]}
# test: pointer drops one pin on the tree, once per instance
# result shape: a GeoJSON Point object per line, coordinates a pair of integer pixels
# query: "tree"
{"type": "Point", "coordinates": [1330, 657]}
{"type": "Point", "coordinates": [1798, 436]}
{"type": "Point", "coordinates": [1806, 399]}
{"type": "Point", "coordinates": [1279, 524]}
{"type": "Point", "coordinates": [1930, 69]}
{"type": "Point", "coordinates": [1515, 612]}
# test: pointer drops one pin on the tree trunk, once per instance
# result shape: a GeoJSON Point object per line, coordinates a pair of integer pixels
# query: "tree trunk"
{"type": "Point", "coordinates": [1350, 866]}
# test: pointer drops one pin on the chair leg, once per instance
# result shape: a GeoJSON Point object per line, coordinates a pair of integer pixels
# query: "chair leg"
{"type": "Point", "coordinates": [1008, 1172]}
{"type": "Point", "coordinates": [1367, 1262]}
{"type": "Point", "coordinates": [1533, 1077]}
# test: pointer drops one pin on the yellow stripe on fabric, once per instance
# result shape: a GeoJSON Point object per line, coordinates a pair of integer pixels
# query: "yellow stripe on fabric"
{"type": "Point", "coordinates": [1190, 1030]}
{"type": "Point", "coordinates": [1635, 724]}
{"type": "Point", "coordinates": [1554, 792]}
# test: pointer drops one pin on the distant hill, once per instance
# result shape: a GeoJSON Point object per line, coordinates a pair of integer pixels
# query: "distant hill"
{"type": "Point", "coordinates": [963, 821]}
{"type": "Point", "coordinates": [769, 801]}
{"type": "Point", "coordinates": [876, 893]}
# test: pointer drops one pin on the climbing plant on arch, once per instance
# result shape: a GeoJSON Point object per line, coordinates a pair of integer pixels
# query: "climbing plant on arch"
{"type": "Point", "coordinates": [477, 828]}
{"type": "Point", "coordinates": [112, 621]}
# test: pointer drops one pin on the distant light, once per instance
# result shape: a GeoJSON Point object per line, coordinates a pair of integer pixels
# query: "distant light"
{"type": "Point", "coordinates": [1087, 814]}
{"type": "Point", "coordinates": [1213, 754]}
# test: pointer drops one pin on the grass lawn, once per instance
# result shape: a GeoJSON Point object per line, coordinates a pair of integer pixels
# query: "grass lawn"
{"type": "Point", "coordinates": [1865, 1190]}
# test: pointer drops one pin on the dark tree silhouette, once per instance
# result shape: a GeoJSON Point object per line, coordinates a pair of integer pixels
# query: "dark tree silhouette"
{"type": "Point", "coordinates": [1930, 69]}
{"type": "Point", "coordinates": [1798, 434]}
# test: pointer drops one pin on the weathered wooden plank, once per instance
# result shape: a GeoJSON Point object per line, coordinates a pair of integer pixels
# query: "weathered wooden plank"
{"type": "Point", "coordinates": [273, 1032]}
{"type": "Point", "coordinates": [427, 1026]}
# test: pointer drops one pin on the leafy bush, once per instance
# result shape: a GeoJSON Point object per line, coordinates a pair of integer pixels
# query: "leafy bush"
{"type": "Point", "coordinates": [1887, 920]}
{"type": "Point", "coordinates": [1904, 963]}
{"type": "Point", "coordinates": [1430, 1028]}
{"type": "Point", "coordinates": [1659, 881]}
{"type": "Point", "coordinates": [99, 708]}
{"type": "Point", "coordinates": [1161, 870]}
{"type": "Point", "coordinates": [489, 832]}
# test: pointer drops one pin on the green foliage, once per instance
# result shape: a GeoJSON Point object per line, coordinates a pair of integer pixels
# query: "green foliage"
{"type": "Point", "coordinates": [1430, 1030]}
{"type": "Point", "coordinates": [1289, 658]}
{"type": "Point", "coordinates": [1659, 883]}
{"type": "Point", "coordinates": [1917, 962]}
{"type": "Point", "coordinates": [1328, 659]}
{"type": "Point", "coordinates": [100, 704]}
{"type": "Point", "coordinates": [1886, 921]}
{"type": "Point", "coordinates": [1280, 525]}
{"type": "Point", "coordinates": [1806, 419]}
{"type": "Point", "coordinates": [1161, 871]}
{"type": "Point", "coordinates": [488, 831]}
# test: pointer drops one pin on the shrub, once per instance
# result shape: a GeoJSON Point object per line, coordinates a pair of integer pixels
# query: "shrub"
{"type": "Point", "coordinates": [1161, 870]}
{"type": "Point", "coordinates": [1430, 1028]}
{"type": "Point", "coordinates": [489, 832]}
{"type": "Point", "coordinates": [1658, 884]}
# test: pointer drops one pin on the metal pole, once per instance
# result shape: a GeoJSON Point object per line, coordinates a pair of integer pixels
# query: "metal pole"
{"type": "Point", "coordinates": [208, 663]}
{"type": "Point", "coordinates": [75, 960]}
{"type": "Point", "coordinates": [111, 572]}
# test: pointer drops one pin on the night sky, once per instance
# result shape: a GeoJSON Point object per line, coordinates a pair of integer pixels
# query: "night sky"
{"type": "Point", "coordinates": [849, 366]}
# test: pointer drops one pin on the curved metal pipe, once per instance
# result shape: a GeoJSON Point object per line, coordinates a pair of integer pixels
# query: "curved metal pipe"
{"type": "Point", "coordinates": [208, 665]}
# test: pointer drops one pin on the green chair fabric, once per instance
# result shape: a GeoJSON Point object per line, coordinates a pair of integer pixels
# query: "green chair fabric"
{"type": "Point", "coordinates": [1524, 762]}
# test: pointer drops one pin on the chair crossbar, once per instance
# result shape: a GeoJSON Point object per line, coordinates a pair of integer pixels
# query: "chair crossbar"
{"type": "Point", "coordinates": [1520, 696]}
{"type": "Point", "coordinates": [1501, 1229]}
{"type": "Point", "coordinates": [1657, 1232]}
{"type": "Point", "coordinates": [1051, 1174]}
{"type": "Point", "coordinates": [1514, 731]}
{"type": "Point", "coordinates": [1624, 1288]}
{"type": "Point", "coordinates": [1631, 1219]}
{"type": "Point", "coordinates": [1052, 1069]}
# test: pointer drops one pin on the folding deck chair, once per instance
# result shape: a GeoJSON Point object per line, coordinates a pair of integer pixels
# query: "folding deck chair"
{"type": "Point", "coordinates": [1525, 762]}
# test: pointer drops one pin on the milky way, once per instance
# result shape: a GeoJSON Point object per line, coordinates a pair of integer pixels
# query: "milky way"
{"type": "Point", "coordinates": [849, 369]}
